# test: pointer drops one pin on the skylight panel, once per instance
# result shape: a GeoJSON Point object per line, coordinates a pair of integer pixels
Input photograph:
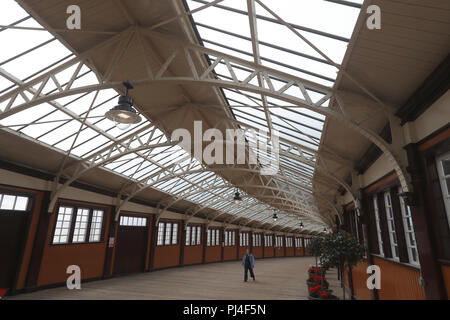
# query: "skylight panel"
{"type": "Point", "coordinates": [323, 16]}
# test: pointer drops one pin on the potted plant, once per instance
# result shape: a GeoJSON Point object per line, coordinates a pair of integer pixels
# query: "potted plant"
{"type": "Point", "coordinates": [315, 248]}
{"type": "Point", "coordinates": [341, 250]}
{"type": "Point", "coordinates": [318, 285]}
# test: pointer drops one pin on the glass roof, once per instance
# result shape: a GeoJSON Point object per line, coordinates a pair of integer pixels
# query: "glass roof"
{"type": "Point", "coordinates": [76, 125]}
{"type": "Point", "coordinates": [328, 24]}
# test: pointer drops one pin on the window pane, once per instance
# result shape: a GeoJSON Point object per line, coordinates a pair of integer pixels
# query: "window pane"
{"type": "Point", "coordinates": [193, 236]}
{"type": "Point", "coordinates": [62, 225]}
{"type": "Point", "coordinates": [21, 203]}
{"type": "Point", "coordinates": [79, 232]}
{"type": "Point", "coordinates": [8, 202]}
{"type": "Point", "coordinates": [446, 166]}
{"type": "Point", "coordinates": [96, 226]}
{"type": "Point", "coordinates": [188, 235]}
{"type": "Point", "coordinates": [160, 234]}
{"type": "Point", "coordinates": [168, 233]}
{"type": "Point", "coordinates": [175, 233]}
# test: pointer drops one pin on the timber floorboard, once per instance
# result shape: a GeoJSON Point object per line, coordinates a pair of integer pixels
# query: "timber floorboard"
{"type": "Point", "coordinates": [276, 278]}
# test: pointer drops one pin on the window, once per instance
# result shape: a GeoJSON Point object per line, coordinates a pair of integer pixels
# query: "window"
{"type": "Point", "coordinates": [174, 233]}
{"type": "Point", "coordinates": [167, 234]}
{"type": "Point", "coordinates": [96, 226]}
{"type": "Point", "coordinates": [409, 231]}
{"type": "Point", "coordinates": [279, 241]}
{"type": "Point", "coordinates": [256, 240]}
{"type": "Point", "coordinates": [160, 241]}
{"type": "Point", "coordinates": [132, 221]}
{"type": "Point", "coordinates": [289, 242]}
{"type": "Point", "coordinates": [213, 237]}
{"type": "Point", "coordinates": [63, 222]}
{"type": "Point", "coordinates": [377, 224]}
{"type": "Point", "coordinates": [188, 235]}
{"type": "Point", "coordinates": [11, 202]}
{"type": "Point", "coordinates": [443, 168]}
{"type": "Point", "coordinates": [81, 221]}
{"type": "Point", "coordinates": [243, 239]}
{"type": "Point", "coordinates": [199, 235]}
{"type": "Point", "coordinates": [298, 242]}
{"type": "Point", "coordinates": [87, 226]}
{"type": "Point", "coordinates": [230, 237]}
{"type": "Point", "coordinates": [193, 235]}
{"type": "Point", "coordinates": [391, 224]}
{"type": "Point", "coordinates": [268, 240]}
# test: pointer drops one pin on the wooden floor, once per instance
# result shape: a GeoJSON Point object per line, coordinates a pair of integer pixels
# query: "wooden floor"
{"type": "Point", "coordinates": [280, 278]}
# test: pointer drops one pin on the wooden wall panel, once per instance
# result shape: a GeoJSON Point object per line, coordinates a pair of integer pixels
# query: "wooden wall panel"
{"type": "Point", "coordinates": [257, 252]}
{"type": "Point", "coordinates": [242, 251]}
{"type": "Point", "coordinates": [193, 254]}
{"type": "Point", "coordinates": [360, 276]}
{"type": "Point", "coordinates": [446, 276]}
{"type": "Point", "coordinates": [269, 252]}
{"type": "Point", "coordinates": [398, 282]}
{"type": "Point", "coordinates": [29, 242]}
{"type": "Point", "coordinates": [299, 252]}
{"type": "Point", "coordinates": [229, 253]}
{"type": "Point", "coordinates": [166, 256]}
{"type": "Point", "coordinates": [213, 254]}
{"type": "Point", "coordinates": [90, 257]}
{"type": "Point", "coordinates": [279, 252]}
{"type": "Point", "coordinates": [290, 252]}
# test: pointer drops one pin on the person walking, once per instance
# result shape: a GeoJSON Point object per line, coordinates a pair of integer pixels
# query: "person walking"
{"type": "Point", "coordinates": [248, 262]}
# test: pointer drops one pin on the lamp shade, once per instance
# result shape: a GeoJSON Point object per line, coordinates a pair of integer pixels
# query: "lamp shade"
{"type": "Point", "coordinates": [123, 114]}
{"type": "Point", "coordinates": [237, 197]}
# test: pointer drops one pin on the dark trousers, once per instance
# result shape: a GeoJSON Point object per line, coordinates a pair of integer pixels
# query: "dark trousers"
{"type": "Point", "coordinates": [246, 269]}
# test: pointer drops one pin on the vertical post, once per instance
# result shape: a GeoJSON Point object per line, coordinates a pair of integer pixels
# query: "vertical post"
{"type": "Point", "coordinates": [148, 244]}
{"type": "Point", "coordinates": [153, 241]}
{"type": "Point", "coordinates": [205, 235]}
{"type": "Point", "coordinates": [423, 228]}
{"type": "Point", "coordinates": [182, 241]}
{"type": "Point", "coordinates": [238, 244]}
{"type": "Point", "coordinates": [222, 243]}
{"type": "Point", "coordinates": [39, 242]}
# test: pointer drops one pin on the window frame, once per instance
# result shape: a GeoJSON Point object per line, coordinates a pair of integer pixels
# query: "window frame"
{"type": "Point", "coordinates": [194, 233]}
{"type": "Point", "coordinates": [213, 237]}
{"type": "Point", "coordinates": [389, 209]}
{"type": "Point", "coordinates": [443, 183]}
{"type": "Point", "coordinates": [164, 235]}
{"type": "Point", "coordinates": [16, 194]}
{"type": "Point", "coordinates": [407, 215]}
{"type": "Point", "coordinates": [376, 211]}
{"type": "Point", "coordinates": [75, 206]}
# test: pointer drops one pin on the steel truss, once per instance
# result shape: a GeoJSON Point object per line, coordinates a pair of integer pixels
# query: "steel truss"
{"type": "Point", "coordinates": [35, 92]}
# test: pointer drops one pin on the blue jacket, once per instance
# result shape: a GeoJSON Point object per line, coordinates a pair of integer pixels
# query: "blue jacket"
{"type": "Point", "coordinates": [252, 260]}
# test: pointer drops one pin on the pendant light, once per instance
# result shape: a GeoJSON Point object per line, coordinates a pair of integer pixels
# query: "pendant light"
{"type": "Point", "coordinates": [275, 217]}
{"type": "Point", "coordinates": [237, 197]}
{"type": "Point", "coordinates": [301, 225]}
{"type": "Point", "coordinates": [124, 115]}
